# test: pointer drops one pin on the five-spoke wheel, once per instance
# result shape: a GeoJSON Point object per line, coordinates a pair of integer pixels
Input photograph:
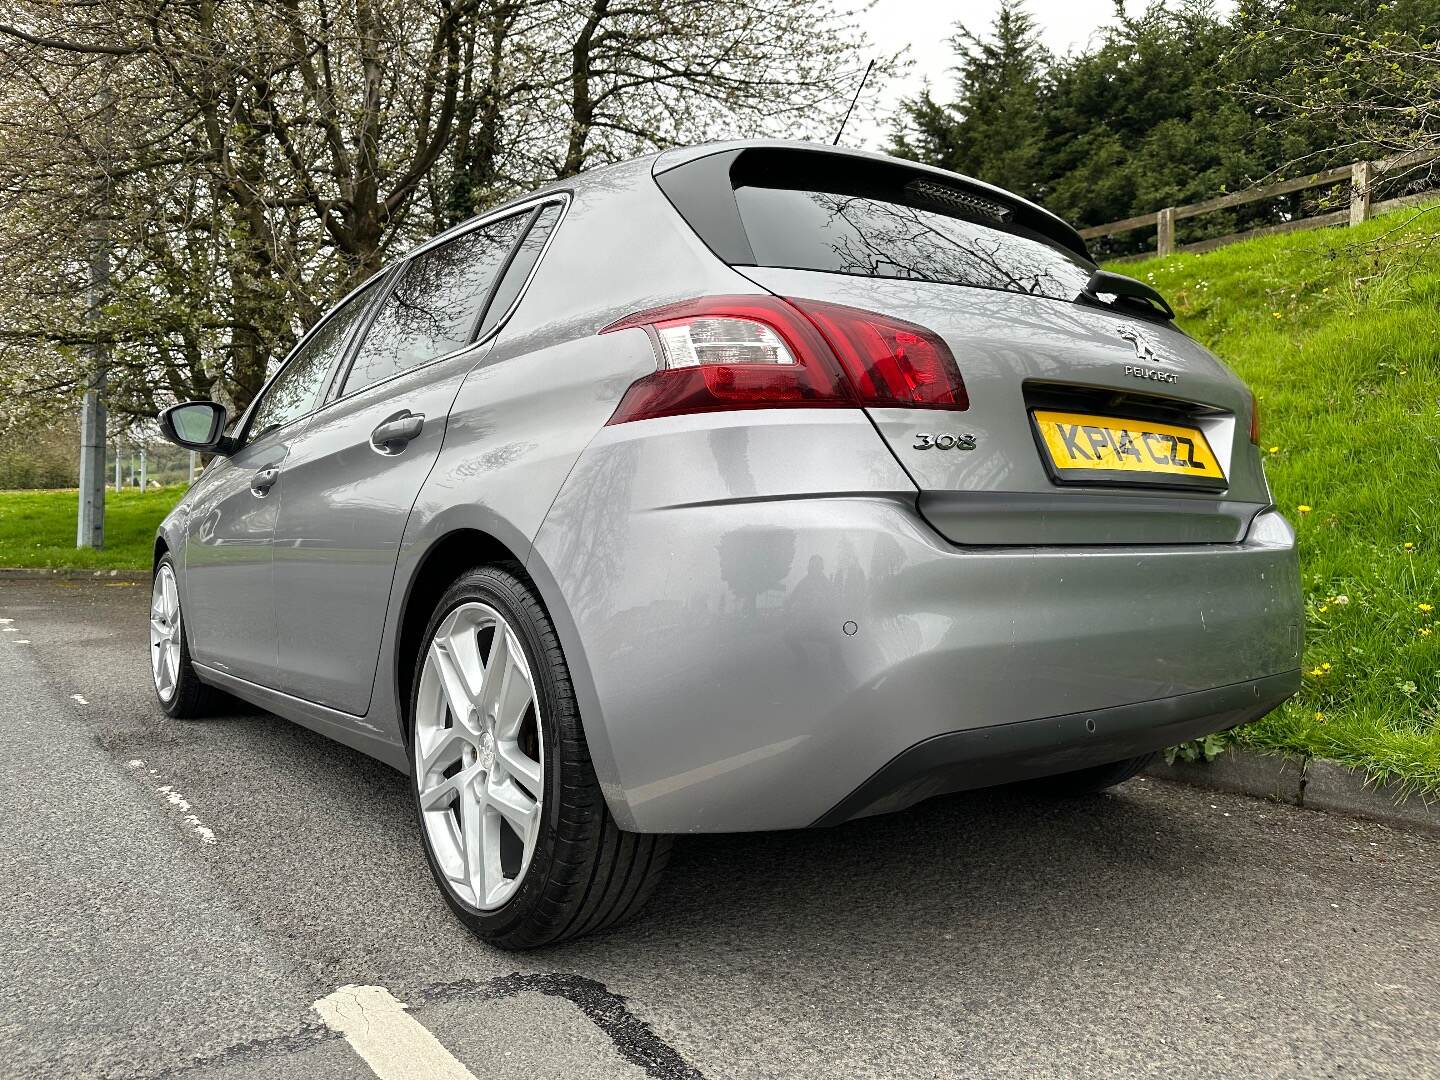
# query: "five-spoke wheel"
{"type": "Point", "coordinates": [165, 632]}
{"type": "Point", "coordinates": [179, 689]}
{"type": "Point", "coordinates": [478, 754]}
{"type": "Point", "coordinates": [516, 828]}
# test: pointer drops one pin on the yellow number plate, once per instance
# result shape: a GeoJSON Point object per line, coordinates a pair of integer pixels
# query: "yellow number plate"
{"type": "Point", "coordinates": [1079, 443]}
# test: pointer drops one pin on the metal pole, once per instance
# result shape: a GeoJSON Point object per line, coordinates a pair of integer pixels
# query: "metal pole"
{"type": "Point", "coordinates": [90, 518]}
{"type": "Point", "coordinates": [191, 478]}
{"type": "Point", "coordinates": [117, 464]}
{"type": "Point", "coordinates": [144, 470]}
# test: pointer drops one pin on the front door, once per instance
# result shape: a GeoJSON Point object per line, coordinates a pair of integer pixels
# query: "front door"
{"type": "Point", "coordinates": [229, 614]}
{"type": "Point", "coordinates": [229, 579]}
{"type": "Point", "coordinates": [354, 475]}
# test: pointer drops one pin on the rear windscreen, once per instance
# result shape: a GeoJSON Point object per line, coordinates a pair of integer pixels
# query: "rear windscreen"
{"type": "Point", "coordinates": [870, 236]}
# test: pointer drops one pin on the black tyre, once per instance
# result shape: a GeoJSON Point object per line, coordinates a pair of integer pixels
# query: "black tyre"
{"type": "Point", "coordinates": [516, 829]}
{"type": "Point", "coordinates": [179, 690]}
{"type": "Point", "coordinates": [1092, 780]}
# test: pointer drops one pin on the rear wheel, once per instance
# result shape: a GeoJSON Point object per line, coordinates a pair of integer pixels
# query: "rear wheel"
{"type": "Point", "coordinates": [181, 693]}
{"type": "Point", "coordinates": [1091, 780]}
{"type": "Point", "coordinates": [516, 829]}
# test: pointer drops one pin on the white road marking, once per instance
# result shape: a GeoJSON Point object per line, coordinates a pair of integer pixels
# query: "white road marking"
{"type": "Point", "coordinates": [79, 699]}
{"type": "Point", "coordinates": [206, 834]}
{"type": "Point", "coordinates": [174, 799]}
{"type": "Point", "coordinates": [9, 629]}
{"type": "Point", "coordinates": [6, 622]}
{"type": "Point", "coordinates": [393, 1043]}
{"type": "Point", "coordinates": [20, 641]}
{"type": "Point", "coordinates": [179, 802]}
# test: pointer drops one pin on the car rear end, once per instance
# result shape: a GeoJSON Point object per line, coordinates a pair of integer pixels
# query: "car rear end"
{"type": "Point", "coordinates": [924, 503]}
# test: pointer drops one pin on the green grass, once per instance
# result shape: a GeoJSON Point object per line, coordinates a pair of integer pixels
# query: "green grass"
{"type": "Point", "coordinates": [37, 528]}
{"type": "Point", "coordinates": [1338, 333]}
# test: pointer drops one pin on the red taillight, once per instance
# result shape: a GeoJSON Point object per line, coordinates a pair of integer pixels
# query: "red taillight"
{"type": "Point", "coordinates": [731, 352]}
{"type": "Point", "coordinates": [763, 352]}
{"type": "Point", "coordinates": [891, 363]}
{"type": "Point", "coordinates": [1254, 420]}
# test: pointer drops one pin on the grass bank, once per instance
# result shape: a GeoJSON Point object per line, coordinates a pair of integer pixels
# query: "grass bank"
{"type": "Point", "coordinates": [1338, 333]}
{"type": "Point", "coordinates": [37, 528]}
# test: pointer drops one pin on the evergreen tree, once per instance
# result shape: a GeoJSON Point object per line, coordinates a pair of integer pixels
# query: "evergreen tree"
{"type": "Point", "coordinates": [1181, 103]}
{"type": "Point", "coordinates": [994, 129]}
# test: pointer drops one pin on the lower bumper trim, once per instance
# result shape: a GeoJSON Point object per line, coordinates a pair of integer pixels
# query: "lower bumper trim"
{"type": "Point", "coordinates": [1005, 753]}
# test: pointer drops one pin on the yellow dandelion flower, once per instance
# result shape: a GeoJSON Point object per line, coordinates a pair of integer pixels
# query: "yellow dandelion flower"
{"type": "Point", "coordinates": [1274, 449]}
{"type": "Point", "coordinates": [1424, 631]}
{"type": "Point", "coordinates": [1303, 508]}
{"type": "Point", "coordinates": [1409, 546]}
{"type": "Point", "coordinates": [1325, 666]}
{"type": "Point", "coordinates": [1320, 716]}
{"type": "Point", "coordinates": [1324, 608]}
{"type": "Point", "coordinates": [1425, 607]}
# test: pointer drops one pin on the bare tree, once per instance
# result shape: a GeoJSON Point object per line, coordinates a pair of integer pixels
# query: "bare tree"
{"type": "Point", "coordinates": [1365, 88]}
{"type": "Point", "coordinates": [266, 155]}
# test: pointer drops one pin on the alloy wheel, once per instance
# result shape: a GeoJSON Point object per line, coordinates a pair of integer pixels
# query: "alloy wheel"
{"type": "Point", "coordinates": [479, 755]}
{"type": "Point", "coordinates": [165, 632]}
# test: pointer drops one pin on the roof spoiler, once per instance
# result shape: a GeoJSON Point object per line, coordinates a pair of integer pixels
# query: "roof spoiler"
{"type": "Point", "coordinates": [1103, 281]}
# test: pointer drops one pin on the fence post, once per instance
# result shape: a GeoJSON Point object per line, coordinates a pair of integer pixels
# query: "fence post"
{"type": "Point", "coordinates": [1359, 192]}
{"type": "Point", "coordinates": [1165, 231]}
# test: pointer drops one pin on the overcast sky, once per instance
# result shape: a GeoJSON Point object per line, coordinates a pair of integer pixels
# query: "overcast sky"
{"type": "Point", "coordinates": [926, 28]}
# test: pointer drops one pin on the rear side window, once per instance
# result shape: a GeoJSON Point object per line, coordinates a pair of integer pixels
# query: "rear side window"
{"type": "Point", "coordinates": [518, 272]}
{"type": "Point", "coordinates": [433, 309]}
{"type": "Point", "coordinates": [870, 236]}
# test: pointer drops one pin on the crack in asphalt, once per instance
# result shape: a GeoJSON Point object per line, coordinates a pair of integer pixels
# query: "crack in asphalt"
{"type": "Point", "coordinates": [632, 1037]}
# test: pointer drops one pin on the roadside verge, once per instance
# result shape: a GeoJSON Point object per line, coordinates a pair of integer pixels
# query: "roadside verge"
{"type": "Point", "coordinates": [1311, 783]}
{"type": "Point", "coordinates": [35, 573]}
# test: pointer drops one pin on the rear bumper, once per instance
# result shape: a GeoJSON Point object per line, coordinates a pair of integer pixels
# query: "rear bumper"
{"type": "Point", "coordinates": [749, 660]}
{"type": "Point", "coordinates": [1005, 753]}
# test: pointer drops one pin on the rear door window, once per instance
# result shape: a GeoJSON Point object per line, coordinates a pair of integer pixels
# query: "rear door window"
{"type": "Point", "coordinates": [434, 308]}
{"type": "Point", "coordinates": [870, 236]}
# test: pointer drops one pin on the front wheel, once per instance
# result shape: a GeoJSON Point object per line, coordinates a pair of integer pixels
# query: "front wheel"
{"type": "Point", "coordinates": [181, 693]}
{"type": "Point", "coordinates": [516, 829]}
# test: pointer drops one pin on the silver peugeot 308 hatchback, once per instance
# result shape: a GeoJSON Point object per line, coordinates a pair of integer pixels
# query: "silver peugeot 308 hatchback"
{"type": "Point", "coordinates": [747, 486]}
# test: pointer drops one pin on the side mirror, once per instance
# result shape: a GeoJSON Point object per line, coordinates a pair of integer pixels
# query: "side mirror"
{"type": "Point", "coordinates": [196, 425]}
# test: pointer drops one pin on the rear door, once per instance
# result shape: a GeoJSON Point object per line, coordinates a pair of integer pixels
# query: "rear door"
{"type": "Point", "coordinates": [229, 553]}
{"type": "Point", "coordinates": [354, 474]}
{"type": "Point", "coordinates": [1089, 422]}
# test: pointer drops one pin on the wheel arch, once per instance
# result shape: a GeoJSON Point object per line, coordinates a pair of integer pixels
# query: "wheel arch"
{"type": "Point", "coordinates": [446, 557]}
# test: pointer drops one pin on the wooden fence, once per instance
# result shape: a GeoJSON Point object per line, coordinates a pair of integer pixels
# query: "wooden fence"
{"type": "Point", "coordinates": [1362, 175]}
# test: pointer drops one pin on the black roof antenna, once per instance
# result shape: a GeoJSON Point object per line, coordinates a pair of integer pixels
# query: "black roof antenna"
{"type": "Point", "coordinates": [863, 79]}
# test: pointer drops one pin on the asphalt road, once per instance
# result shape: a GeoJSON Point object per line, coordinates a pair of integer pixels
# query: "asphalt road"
{"type": "Point", "coordinates": [175, 898]}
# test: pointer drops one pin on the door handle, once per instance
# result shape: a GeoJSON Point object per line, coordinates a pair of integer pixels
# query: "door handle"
{"type": "Point", "coordinates": [263, 481]}
{"type": "Point", "coordinates": [395, 433]}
